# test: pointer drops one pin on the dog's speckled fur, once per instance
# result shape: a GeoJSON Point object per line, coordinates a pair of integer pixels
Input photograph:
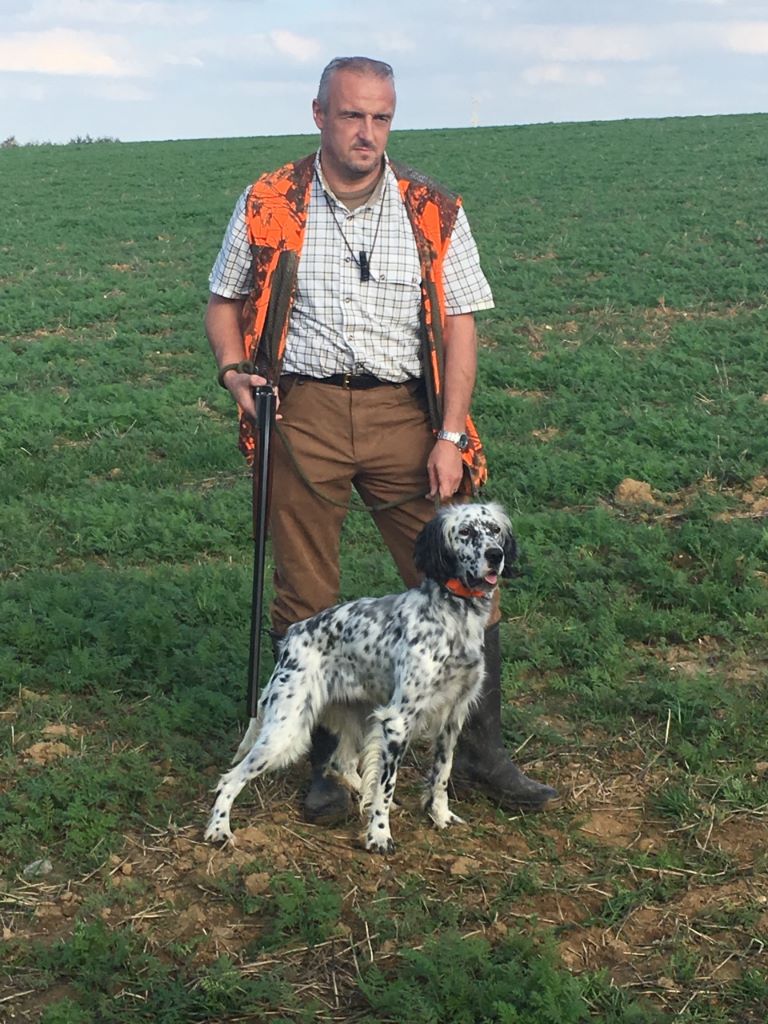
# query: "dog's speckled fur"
{"type": "Point", "coordinates": [378, 672]}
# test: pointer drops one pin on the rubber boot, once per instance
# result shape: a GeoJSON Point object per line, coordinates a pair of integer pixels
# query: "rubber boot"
{"type": "Point", "coordinates": [327, 802]}
{"type": "Point", "coordinates": [481, 761]}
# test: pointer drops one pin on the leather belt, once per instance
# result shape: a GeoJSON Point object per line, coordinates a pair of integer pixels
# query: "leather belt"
{"type": "Point", "coordinates": [350, 381]}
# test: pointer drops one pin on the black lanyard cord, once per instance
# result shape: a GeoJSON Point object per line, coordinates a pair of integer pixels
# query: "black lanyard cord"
{"type": "Point", "coordinates": [362, 260]}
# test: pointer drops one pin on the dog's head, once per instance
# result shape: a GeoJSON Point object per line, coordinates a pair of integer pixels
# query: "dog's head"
{"type": "Point", "coordinates": [471, 543]}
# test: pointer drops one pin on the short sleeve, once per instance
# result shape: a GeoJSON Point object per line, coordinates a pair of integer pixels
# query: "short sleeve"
{"type": "Point", "coordinates": [231, 276]}
{"type": "Point", "coordinates": [466, 288]}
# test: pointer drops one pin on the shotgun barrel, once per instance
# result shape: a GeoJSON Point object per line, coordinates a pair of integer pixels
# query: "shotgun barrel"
{"type": "Point", "coordinates": [266, 404]}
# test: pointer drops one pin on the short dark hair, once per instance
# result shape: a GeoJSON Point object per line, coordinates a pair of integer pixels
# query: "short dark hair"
{"type": "Point", "coordinates": [362, 65]}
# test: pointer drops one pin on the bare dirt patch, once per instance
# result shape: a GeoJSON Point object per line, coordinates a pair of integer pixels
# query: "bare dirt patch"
{"type": "Point", "coordinates": [595, 872]}
{"type": "Point", "coordinates": [634, 492]}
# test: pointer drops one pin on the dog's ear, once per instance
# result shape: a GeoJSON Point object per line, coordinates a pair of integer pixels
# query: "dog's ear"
{"type": "Point", "coordinates": [431, 555]}
{"type": "Point", "coordinates": [510, 555]}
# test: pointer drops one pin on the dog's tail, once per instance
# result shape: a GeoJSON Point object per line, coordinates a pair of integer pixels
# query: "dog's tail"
{"type": "Point", "coordinates": [299, 699]}
{"type": "Point", "coordinates": [382, 750]}
{"type": "Point", "coordinates": [370, 763]}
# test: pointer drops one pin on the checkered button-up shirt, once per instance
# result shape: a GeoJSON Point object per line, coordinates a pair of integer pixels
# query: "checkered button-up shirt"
{"type": "Point", "coordinates": [340, 323]}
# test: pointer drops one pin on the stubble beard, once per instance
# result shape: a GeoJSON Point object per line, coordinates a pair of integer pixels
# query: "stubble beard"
{"type": "Point", "coordinates": [361, 165]}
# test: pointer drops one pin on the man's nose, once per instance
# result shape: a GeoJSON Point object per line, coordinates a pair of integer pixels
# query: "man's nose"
{"type": "Point", "coordinates": [365, 127]}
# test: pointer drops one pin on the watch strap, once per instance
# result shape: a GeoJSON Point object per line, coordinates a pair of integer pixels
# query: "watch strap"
{"type": "Point", "coordinates": [455, 437]}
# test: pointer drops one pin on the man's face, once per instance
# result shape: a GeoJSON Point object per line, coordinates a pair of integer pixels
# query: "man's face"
{"type": "Point", "coordinates": [355, 126]}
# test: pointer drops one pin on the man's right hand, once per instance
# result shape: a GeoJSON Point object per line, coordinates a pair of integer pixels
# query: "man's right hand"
{"type": "Point", "coordinates": [241, 385]}
{"type": "Point", "coordinates": [223, 319]}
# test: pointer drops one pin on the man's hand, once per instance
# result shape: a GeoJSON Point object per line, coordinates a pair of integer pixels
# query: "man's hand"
{"type": "Point", "coordinates": [445, 468]}
{"type": "Point", "coordinates": [223, 319]}
{"type": "Point", "coordinates": [240, 386]}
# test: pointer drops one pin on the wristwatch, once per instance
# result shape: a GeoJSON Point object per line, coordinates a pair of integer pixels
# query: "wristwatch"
{"type": "Point", "coordinates": [460, 440]}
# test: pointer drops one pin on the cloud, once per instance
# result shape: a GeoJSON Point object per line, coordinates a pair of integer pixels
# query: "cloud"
{"type": "Point", "coordinates": [255, 55]}
{"type": "Point", "coordinates": [125, 92]}
{"type": "Point", "coordinates": [181, 60]}
{"type": "Point", "coordinates": [296, 47]}
{"type": "Point", "coordinates": [558, 43]}
{"type": "Point", "coordinates": [629, 43]}
{"type": "Point", "coordinates": [593, 42]}
{"type": "Point", "coordinates": [749, 37]}
{"type": "Point", "coordinates": [563, 74]}
{"type": "Point", "coordinates": [65, 52]}
{"type": "Point", "coordinates": [704, 3]}
{"type": "Point", "coordinates": [28, 91]}
{"type": "Point", "coordinates": [665, 80]}
{"type": "Point", "coordinates": [146, 13]}
{"type": "Point", "coordinates": [391, 41]}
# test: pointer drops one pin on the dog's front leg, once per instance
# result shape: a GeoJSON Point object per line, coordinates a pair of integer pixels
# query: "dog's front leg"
{"type": "Point", "coordinates": [218, 828]}
{"type": "Point", "coordinates": [435, 800]}
{"type": "Point", "coordinates": [384, 751]}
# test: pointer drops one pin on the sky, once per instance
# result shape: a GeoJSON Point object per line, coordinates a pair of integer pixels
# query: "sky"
{"type": "Point", "coordinates": [166, 69]}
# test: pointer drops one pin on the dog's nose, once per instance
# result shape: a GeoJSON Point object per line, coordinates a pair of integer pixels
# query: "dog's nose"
{"type": "Point", "coordinates": [494, 556]}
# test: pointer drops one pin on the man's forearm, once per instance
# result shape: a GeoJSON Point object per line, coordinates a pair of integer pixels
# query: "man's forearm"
{"type": "Point", "coordinates": [225, 335]}
{"type": "Point", "coordinates": [223, 328]}
{"type": "Point", "coordinates": [444, 466]}
{"type": "Point", "coordinates": [460, 369]}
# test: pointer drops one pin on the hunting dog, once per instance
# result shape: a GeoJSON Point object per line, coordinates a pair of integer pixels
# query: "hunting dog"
{"type": "Point", "coordinates": [380, 672]}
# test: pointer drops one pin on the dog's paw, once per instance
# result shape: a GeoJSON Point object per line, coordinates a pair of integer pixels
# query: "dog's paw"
{"type": "Point", "coordinates": [383, 847]}
{"type": "Point", "coordinates": [218, 830]}
{"type": "Point", "coordinates": [376, 844]}
{"type": "Point", "coordinates": [444, 820]}
{"type": "Point", "coordinates": [438, 811]}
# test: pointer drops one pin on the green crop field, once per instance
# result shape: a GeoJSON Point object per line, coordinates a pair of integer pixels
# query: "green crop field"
{"type": "Point", "coordinates": [623, 398]}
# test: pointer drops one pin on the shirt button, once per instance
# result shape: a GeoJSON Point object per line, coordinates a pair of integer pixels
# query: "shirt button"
{"type": "Point", "coordinates": [348, 299]}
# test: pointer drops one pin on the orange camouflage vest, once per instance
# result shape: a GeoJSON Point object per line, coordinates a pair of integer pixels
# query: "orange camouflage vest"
{"type": "Point", "coordinates": [276, 217]}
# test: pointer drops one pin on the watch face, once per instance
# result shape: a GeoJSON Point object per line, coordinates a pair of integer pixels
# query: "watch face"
{"type": "Point", "coordinates": [463, 442]}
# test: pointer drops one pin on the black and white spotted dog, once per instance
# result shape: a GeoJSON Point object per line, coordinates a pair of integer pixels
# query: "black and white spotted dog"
{"type": "Point", "coordinates": [379, 672]}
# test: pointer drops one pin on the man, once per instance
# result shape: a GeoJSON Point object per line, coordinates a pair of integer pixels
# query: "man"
{"type": "Point", "coordinates": [364, 278]}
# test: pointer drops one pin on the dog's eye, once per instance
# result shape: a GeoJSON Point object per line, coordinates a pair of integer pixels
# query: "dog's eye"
{"type": "Point", "coordinates": [465, 531]}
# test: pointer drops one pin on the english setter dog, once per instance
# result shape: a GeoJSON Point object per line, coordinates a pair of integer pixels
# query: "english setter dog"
{"type": "Point", "coordinates": [380, 672]}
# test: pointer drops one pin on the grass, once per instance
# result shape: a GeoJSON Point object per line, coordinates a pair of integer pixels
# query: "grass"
{"type": "Point", "coordinates": [627, 263]}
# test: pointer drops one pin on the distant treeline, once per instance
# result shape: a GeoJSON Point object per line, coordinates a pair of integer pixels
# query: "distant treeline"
{"type": "Point", "coordinates": [12, 143]}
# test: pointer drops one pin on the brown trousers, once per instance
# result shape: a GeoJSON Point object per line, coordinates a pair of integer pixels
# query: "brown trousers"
{"type": "Point", "coordinates": [376, 440]}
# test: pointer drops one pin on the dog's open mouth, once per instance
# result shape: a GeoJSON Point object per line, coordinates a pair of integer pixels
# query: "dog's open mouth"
{"type": "Point", "coordinates": [489, 581]}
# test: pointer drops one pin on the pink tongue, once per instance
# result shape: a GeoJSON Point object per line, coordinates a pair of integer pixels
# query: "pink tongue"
{"type": "Point", "coordinates": [492, 578]}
